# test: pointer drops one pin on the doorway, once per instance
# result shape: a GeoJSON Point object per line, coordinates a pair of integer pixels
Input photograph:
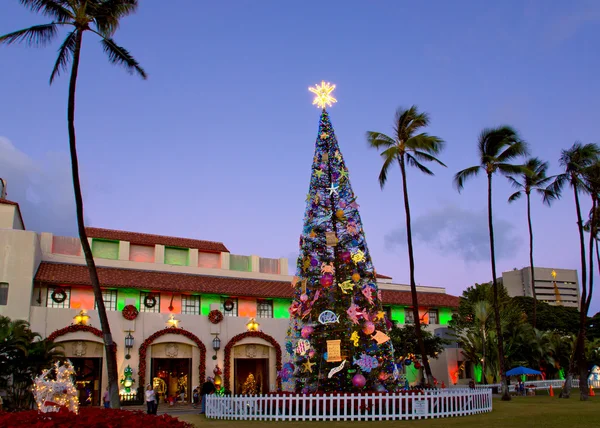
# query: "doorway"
{"type": "Point", "coordinates": [172, 378]}
{"type": "Point", "coordinates": [88, 373]}
{"type": "Point", "coordinates": [258, 368]}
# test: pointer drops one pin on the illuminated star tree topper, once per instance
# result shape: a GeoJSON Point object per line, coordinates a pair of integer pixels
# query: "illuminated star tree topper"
{"type": "Point", "coordinates": [323, 95]}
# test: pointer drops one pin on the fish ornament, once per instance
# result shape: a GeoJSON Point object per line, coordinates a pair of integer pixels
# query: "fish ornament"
{"type": "Point", "coordinates": [336, 369]}
{"type": "Point", "coordinates": [328, 317]}
{"type": "Point", "coordinates": [302, 347]}
{"type": "Point", "coordinates": [366, 362]}
{"type": "Point", "coordinates": [380, 337]}
{"type": "Point", "coordinates": [346, 286]}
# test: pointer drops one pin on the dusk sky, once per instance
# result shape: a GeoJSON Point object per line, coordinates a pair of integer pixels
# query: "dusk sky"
{"type": "Point", "coordinates": [217, 144]}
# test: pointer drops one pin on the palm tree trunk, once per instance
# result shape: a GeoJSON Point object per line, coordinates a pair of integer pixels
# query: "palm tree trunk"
{"type": "Point", "coordinates": [505, 394]}
{"type": "Point", "coordinates": [413, 286]}
{"type": "Point", "coordinates": [110, 348]}
{"type": "Point", "coordinates": [580, 344]}
{"type": "Point", "coordinates": [533, 292]}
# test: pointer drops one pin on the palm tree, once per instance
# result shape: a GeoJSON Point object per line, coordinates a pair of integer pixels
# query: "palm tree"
{"type": "Point", "coordinates": [409, 148]}
{"type": "Point", "coordinates": [533, 177]}
{"type": "Point", "coordinates": [99, 17]}
{"type": "Point", "coordinates": [575, 161]}
{"type": "Point", "coordinates": [497, 147]}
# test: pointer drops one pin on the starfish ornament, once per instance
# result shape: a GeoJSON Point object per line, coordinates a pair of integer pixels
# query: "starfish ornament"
{"type": "Point", "coordinates": [307, 366]}
{"type": "Point", "coordinates": [333, 189]}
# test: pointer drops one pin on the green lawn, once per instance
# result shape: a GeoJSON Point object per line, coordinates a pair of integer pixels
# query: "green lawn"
{"type": "Point", "coordinates": [538, 411]}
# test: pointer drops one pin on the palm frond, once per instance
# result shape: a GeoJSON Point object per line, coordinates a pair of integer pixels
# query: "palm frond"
{"type": "Point", "coordinates": [515, 184]}
{"type": "Point", "coordinates": [53, 9]}
{"type": "Point", "coordinates": [65, 53]}
{"type": "Point", "coordinates": [514, 150]}
{"type": "Point", "coordinates": [464, 175]}
{"type": "Point", "coordinates": [389, 156]}
{"type": "Point", "coordinates": [515, 196]}
{"type": "Point", "coordinates": [425, 142]}
{"type": "Point", "coordinates": [422, 156]}
{"type": "Point", "coordinates": [38, 35]}
{"type": "Point", "coordinates": [120, 56]}
{"type": "Point", "coordinates": [107, 14]}
{"type": "Point", "coordinates": [412, 161]}
{"type": "Point", "coordinates": [378, 140]}
{"type": "Point", "coordinates": [558, 184]}
{"type": "Point", "coordinates": [548, 196]}
{"type": "Point", "coordinates": [579, 156]}
{"type": "Point", "coordinates": [407, 121]}
{"type": "Point", "coordinates": [509, 169]}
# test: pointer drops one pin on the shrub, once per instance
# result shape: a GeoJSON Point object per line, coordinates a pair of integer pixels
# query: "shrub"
{"type": "Point", "coordinates": [89, 417]}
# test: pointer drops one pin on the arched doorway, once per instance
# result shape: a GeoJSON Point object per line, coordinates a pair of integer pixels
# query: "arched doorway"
{"type": "Point", "coordinates": [171, 360]}
{"type": "Point", "coordinates": [255, 353]}
{"type": "Point", "coordinates": [84, 347]}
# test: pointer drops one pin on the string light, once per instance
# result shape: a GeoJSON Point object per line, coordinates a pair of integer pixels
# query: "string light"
{"type": "Point", "coordinates": [323, 95]}
{"type": "Point", "coordinates": [50, 395]}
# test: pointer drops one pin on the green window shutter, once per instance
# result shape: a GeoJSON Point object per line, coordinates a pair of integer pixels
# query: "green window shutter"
{"type": "Point", "coordinates": [398, 314]}
{"type": "Point", "coordinates": [281, 308]}
{"type": "Point", "coordinates": [206, 300]}
{"type": "Point", "coordinates": [105, 249]}
{"type": "Point", "coordinates": [239, 263]}
{"type": "Point", "coordinates": [176, 256]}
{"type": "Point", "coordinates": [445, 315]}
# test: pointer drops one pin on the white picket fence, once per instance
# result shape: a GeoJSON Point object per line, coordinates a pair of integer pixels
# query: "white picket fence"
{"type": "Point", "coordinates": [438, 403]}
{"type": "Point", "coordinates": [539, 384]}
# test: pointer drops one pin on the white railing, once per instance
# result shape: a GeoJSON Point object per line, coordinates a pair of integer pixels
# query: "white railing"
{"type": "Point", "coordinates": [540, 384]}
{"type": "Point", "coordinates": [440, 403]}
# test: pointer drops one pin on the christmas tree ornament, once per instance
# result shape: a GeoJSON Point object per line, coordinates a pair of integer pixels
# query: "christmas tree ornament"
{"type": "Point", "coordinates": [346, 286]}
{"type": "Point", "coordinates": [334, 353]}
{"type": "Point", "coordinates": [366, 362]}
{"type": "Point", "coordinates": [307, 330]}
{"type": "Point", "coordinates": [358, 256]}
{"type": "Point", "coordinates": [337, 369]}
{"type": "Point", "coordinates": [327, 280]}
{"type": "Point", "coordinates": [355, 277]}
{"type": "Point", "coordinates": [368, 328]}
{"type": "Point", "coordinates": [328, 317]}
{"type": "Point", "coordinates": [355, 338]}
{"type": "Point", "coordinates": [331, 239]}
{"type": "Point", "coordinates": [302, 347]}
{"type": "Point", "coordinates": [359, 380]}
{"type": "Point", "coordinates": [307, 366]}
{"type": "Point", "coordinates": [327, 268]}
{"type": "Point", "coordinates": [380, 337]}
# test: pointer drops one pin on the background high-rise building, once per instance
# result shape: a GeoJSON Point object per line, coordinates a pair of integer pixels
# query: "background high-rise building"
{"type": "Point", "coordinates": [553, 286]}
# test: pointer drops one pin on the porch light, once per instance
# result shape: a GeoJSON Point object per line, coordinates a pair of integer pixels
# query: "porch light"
{"type": "Point", "coordinates": [216, 343]}
{"type": "Point", "coordinates": [128, 344]}
{"type": "Point", "coordinates": [252, 325]}
{"type": "Point", "coordinates": [173, 322]}
{"type": "Point", "coordinates": [218, 381]}
{"type": "Point", "coordinates": [81, 318]}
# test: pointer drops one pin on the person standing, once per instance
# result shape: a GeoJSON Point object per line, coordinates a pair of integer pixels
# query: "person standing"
{"type": "Point", "coordinates": [195, 397]}
{"type": "Point", "coordinates": [207, 388]}
{"type": "Point", "coordinates": [150, 399]}
{"type": "Point", "coordinates": [106, 399]}
{"type": "Point", "coordinates": [156, 398]}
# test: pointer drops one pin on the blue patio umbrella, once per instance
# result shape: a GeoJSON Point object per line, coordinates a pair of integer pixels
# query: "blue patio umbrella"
{"type": "Point", "coordinates": [517, 371]}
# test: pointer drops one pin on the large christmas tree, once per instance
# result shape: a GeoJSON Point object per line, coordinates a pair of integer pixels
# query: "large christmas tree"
{"type": "Point", "coordinates": [338, 338]}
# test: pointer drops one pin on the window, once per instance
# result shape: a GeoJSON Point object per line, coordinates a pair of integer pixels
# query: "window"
{"type": "Point", "coordinates": [176, 256]}
{"type": "Point", "coordinates": [141, 253]}
{"type": "Point", "coordinates": [209, 260]}
{"type": "Point", "coordinates": [3, 293]}
{"type": "Point", "coordinates": [52, 303]}
{"type": "Point", "coordinates": [409, 316]}
{"type": "Point", "coordinates": [433, 316]}
{"type": "Point", "coordinates": [234, 310]}
{"type": "Point", "coordinates": [104, 249]}
{"type": "Point", "coordinates": [110, 300]}
{"type": "Point", "coordinates": [264, 308]}
{"type": "Point", "coordinates": [190, 305]}
{"type": "Point", "coordinates": [149, 302]}
{"type": "Point", "coordinates": [388, 312]}
{"type": "Point", "coordinates": [239, 263]}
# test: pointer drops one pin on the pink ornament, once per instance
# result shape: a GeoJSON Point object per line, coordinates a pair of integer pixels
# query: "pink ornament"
{"type": "Point", "coordinates": [303, 297]}
{"type": "Point", "coordinates": [345, 256]}
{"type": "Point", "coordinates": [307, 330]}
{"type": "Point", "coordinates": [311, 353]}
{"type": "Point", "coordinates": [359, 380]}
{"type": "Point", "coordinates": [327, 280]}
{"type": "Point", "coordinates": [369, 327]}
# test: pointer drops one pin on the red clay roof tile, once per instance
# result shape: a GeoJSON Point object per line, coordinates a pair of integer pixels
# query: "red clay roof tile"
{"type": "Point", "coordinates": [67, 274]}
{"type": "Point", "coordinates": [149, 239]}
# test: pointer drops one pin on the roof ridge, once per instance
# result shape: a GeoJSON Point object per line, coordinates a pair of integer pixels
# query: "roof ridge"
{"type": "Point", "coordinates": [152, 234]}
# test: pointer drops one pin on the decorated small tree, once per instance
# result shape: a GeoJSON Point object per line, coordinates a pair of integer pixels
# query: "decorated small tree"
{"type": "Point", "coordinates": [249, 387]}
{"type": "Point", "coordinates": [50, 395]}
{"type": "Point", "coordinates": [338, 336]}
